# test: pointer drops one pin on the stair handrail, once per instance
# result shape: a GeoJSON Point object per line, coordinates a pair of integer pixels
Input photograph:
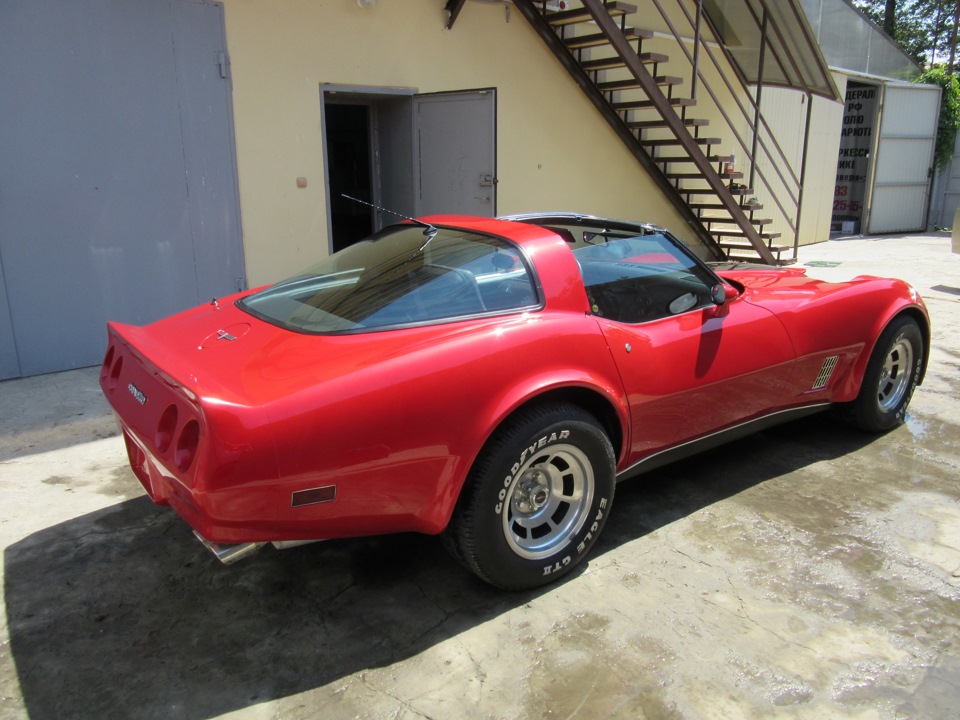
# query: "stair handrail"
{"type": "Point", "coordinates": [730, 125]}
{"type": "Point", "coordinates": [731, 63]}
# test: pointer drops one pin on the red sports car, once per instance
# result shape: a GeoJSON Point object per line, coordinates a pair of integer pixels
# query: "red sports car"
{"type": "Point", "coordinates": [490, 380]}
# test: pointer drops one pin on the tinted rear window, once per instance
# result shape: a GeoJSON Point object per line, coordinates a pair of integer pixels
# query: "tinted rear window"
{"type": "Point", "coordinates": [398, 278]}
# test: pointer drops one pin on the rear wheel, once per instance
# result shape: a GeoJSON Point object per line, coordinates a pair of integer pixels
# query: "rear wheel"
{"type": "Point", "coordinates": [537, 498]}
{"type": "Point", "coordinates": [890, 378]}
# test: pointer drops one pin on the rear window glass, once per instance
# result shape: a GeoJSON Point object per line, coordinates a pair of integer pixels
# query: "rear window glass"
{"type": "Point", "coordinates": [401, 277]}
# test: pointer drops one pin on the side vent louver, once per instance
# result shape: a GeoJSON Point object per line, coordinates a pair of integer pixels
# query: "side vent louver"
{"type": "Point", "coordinates": [825, 372]}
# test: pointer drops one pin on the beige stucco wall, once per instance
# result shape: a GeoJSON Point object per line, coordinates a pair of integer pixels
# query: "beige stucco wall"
{"type": "Point", "coordinates": [554, 152]}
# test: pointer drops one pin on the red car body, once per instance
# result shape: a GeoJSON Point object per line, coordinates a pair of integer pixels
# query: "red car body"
{"type": "Point", "coordinates": [255, 433]}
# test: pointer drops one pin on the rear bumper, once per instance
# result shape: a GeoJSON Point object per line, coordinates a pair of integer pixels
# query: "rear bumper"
{"type": "Point", "coordinates": [160, 483]}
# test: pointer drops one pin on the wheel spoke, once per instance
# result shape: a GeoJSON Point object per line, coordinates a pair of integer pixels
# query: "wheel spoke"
{"type": "Point", "coordinates": [548, 501]}
{"type": "Point", "coordinates": [895, 374]}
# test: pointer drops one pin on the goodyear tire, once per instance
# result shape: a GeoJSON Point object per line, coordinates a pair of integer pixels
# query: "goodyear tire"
{"type": "Point", "coordinates": [536, 499]}
{"type": "Point", "coordinates": [891, 377]}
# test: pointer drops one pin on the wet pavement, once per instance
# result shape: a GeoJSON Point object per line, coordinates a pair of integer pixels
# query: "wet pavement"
{"type": "Point", "coordinates": [807, 572]}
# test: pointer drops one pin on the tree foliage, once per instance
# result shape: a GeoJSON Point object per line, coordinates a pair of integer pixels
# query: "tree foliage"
{"type": "Point", "coordinates": [921, 27]}
{"type": "Point", "coordinates": [949, 113]}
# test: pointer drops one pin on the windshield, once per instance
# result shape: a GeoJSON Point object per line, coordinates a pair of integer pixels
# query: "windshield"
{"type": "Point", "coordinates": [401, 277]}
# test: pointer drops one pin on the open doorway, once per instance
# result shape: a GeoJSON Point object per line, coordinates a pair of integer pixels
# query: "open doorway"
{"type": "Point", "coordinates": [350, 169]}
{"type": "Point", "coordinates": [857, 142]}
{"type": "Point", "coordinates": [409, 154]}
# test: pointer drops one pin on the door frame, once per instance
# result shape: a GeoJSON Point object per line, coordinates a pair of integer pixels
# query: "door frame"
{"type": "Point", "coordinates": [358, 95]}
{"type": "Point", "coordinates": [372, 97]}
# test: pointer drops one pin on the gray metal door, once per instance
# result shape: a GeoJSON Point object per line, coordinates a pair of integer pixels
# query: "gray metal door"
{"type": "Point", "coordinates": [456, 149]}
{"type": "Point", "coordinates": [118, 193]}
{"type": "Point", "coordinates": [904, 158]}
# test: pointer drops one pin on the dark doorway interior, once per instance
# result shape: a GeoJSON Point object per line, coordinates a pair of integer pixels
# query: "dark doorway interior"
{"type": "Point", "coordinates": [348, 146]}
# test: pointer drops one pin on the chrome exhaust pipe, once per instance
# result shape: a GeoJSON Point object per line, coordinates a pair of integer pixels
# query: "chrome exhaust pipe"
{"type": "Point", "coordinates": [228, 554]}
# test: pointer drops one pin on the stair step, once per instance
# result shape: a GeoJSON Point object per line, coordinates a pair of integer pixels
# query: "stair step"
{"type": "Point", "coordinates": [728, 221]}
{"type": "Point", "coordinates": [710, 191]}
{"type": "Point", "coordinates": [728, 245]}
{"type": "Point", "coordinates": [688, 159]}
{"type": "Point", "coordinates": [579, 42]}
{"type": "Point", "coordinates": [579, 15]}
{"type": "Point", "coordinates": [646, 104]}
{"type": "Point", "coordinates": [755, 260]}
{"type": "Point", "coordinates": [632, 84]}
{"type": "Point", "coordinates": [721, 206]}
{"type": "Point", "coordinates": [699, 176]}
{"type": "Point", "coordinates": [741, 233]}
{"type": "Point", "coordinates": [616, 62]}
{"type": "Point", "coordinates": [710, 206]}
{"type": "Point", "coordinates": [673, 142]}
{"type": "Point", "coordinates": [654, 124]}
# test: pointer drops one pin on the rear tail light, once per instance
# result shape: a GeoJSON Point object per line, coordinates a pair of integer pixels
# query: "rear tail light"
{"type": "Point", "coordinates": [115, 373]}
{"type": "Point", "coordinates": [166, 428]}
{"type": "Point", "coordinates": [187, 446]}
{"type": "Point", "coordinates": [107, 361]}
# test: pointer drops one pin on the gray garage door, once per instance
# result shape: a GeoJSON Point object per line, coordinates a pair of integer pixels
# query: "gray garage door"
{"type": "Point", "coordinates": [118, 192]}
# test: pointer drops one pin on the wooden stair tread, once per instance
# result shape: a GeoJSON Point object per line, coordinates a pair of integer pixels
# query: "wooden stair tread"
{"type": "Point", "coordinates": [710, 191]}
{"type": "Point", "coordinates": [632, 84]}
{"type": "Point", "coordinates": [655, 124]}
{"type": "Point", "coordinates": [741, 233]}
{"type": "Point", "coordinates": [747, 246]}
{"type": "Point", "coordinates": [579, 42]}
{"type": "Point", "coordinates": [579, 15]}
{"type": "Point", "coordinates": [728, 221]}
{"type": "Point", "coordinates": [755, 259]}
{"type": "Point", "coordinates": [672, 142]}
{"type": "Point", "coordinates": [710, 206]}
{"type": "Point", "coordinates": [646, 104]}
{"type": "Point", "coordinates": [688, 159]}
{"type": "Point", "coordinates": [616, 62]}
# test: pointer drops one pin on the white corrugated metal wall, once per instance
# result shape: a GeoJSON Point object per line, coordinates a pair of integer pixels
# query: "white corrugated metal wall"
{"type": "Point", "coordinates": [904, 158]}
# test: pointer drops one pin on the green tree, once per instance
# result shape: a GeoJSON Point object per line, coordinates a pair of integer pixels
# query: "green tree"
{"type": "Point", "coordinates": [949, 112]}
{"type": "Point", "coordinates": [922, 28]}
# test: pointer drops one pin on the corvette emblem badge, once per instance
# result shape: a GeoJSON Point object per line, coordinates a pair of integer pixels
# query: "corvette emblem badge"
{"type": "Point", "coordinates": [137, 394]}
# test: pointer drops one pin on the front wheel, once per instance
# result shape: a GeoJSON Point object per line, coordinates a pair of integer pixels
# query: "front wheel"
{"type": "Point", "coordinates": [891, 377]}
{"type": "Point", "coordinates": [536, 499]}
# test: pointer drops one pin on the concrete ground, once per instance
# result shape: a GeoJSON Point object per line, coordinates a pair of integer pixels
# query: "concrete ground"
{"type": "Point", "coordinates": [808, 572]}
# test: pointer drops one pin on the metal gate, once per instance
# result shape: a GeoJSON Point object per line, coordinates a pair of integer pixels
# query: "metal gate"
{"type": "Point", "coordinates": [118, 190]}
{"type": "Point", "coordinates": [904, 158]}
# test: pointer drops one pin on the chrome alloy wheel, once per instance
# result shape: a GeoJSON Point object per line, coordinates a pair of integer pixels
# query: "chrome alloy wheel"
{"type": "Point", "coordinates": [548, 501]}
{"type": "Point", "coordinates": [895, 374]}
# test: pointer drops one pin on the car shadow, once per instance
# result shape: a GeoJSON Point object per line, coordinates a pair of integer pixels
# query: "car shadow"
{"type": "Point", "coordinates": [120, 613]}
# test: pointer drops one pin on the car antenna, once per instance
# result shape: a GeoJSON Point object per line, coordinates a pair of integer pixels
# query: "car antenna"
{"type": "Point", "coordinates": [428, 230]}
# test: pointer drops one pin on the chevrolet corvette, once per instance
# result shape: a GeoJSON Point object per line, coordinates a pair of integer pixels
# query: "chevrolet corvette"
{"type": "Point", "coordinates": [490, 381]}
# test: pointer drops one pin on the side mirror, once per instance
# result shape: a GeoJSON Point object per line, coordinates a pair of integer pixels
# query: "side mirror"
{"type": "Point", "coordinates": [722, 293]}
{"type": "Point", "coordinates": [718, 293]}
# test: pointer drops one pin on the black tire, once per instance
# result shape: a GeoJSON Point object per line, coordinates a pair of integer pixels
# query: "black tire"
{"type": "Point", "coordinates": [892, 374]}
{"type": "Point", "coordinates": [536, 499]}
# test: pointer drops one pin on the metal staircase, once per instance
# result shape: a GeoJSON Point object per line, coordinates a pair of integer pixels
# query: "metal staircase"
{"type": "Point", "coordinates": [650, 99]}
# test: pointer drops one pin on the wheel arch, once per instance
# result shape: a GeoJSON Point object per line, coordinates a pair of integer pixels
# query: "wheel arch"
{"type": "Point", "coordinates": [917, 313]}
{"type": "Point", "coordinates": [924, 322]}
{"type": "Point", "coordinates": [589, 400]}
{"type": "Point", "coordinates": [613, 419]}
